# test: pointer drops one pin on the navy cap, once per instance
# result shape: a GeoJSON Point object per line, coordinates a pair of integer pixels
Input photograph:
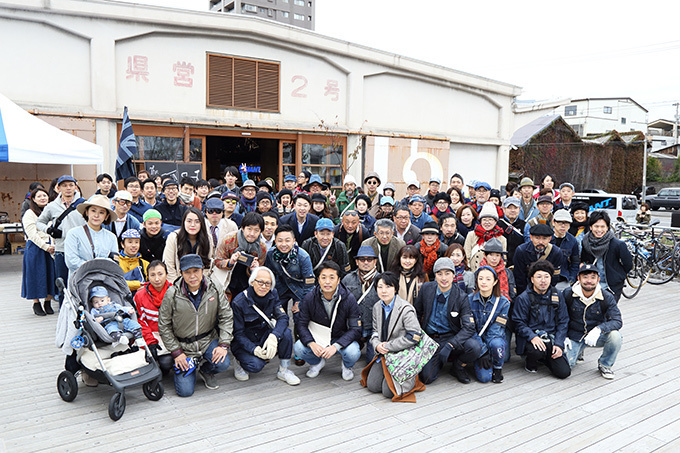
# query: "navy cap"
{"type": "Point", "coordinates": [190, 261]}
{"type": "Point", "coordinates": [480, 184]}
{"type": "Point", "coordinates": [290, 178]}
{"type": "Point", "coordinates": [366, 251]}
{"type": "Point", "coordinates": [170, 182]}
{"type": "Point", "coordinates": [230, 194]}
{"type": "Point", "coordinates": [587, 268]}
{"type": "Point", "coordinates": [540, 229]}
{"type": "Point", "coordinates": [214, 203]}
{"type": "Point", "coordinates": [98, 291]}
{"type": "Point", "coordinates": [415, 198]}
{"type": "Point", "coordinates": [66, 178]}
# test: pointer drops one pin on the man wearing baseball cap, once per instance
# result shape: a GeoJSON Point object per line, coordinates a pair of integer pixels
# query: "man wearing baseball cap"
{"type": "Point", "coordinates": [594, 320]}
{"type": "Point", "coordinates": [444, 313]}
{"type": "Point", "coordinates": [195, 322]}
{"type": "Point", "coordinates": [416, 204]}
{"type": "Point", "coordinates": [432, 191]}
{"type": "Point", "coordinates": [513, 227]}
{"type": "Point", "coordinates": [482, 194]}
{"type": "Point", "coordinates": [566, 194]}
{"type": "Point", "coordinates": [538, 248]}
{"type": "Point", "coordinates": [566, 241]}
{"type": "Point", "coordinates": [325, 247]}
{"type": "Point", "coordinates": [58, 217]}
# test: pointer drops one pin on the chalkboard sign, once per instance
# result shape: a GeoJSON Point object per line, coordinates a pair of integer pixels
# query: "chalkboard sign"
{"type": "Point", "coordinates": [176, 170]}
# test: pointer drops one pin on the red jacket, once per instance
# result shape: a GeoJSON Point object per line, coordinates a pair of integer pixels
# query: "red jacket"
{"type": "Point", "coordinates": [148, 301]}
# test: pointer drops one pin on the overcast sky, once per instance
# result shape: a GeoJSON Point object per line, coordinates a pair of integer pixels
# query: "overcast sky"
{"type": "Point", "coordinates": [576, 49]}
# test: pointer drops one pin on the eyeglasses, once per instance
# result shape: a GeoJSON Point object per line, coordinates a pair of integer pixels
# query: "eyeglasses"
{"type": "Point", "coordinates": [124, 202]}
{"type": "Point", "coordinates": [263, 283]}
{"type": "Point", "coordinates": [214, 211]}
{"type": "Point", "coordinates": [402, 217]}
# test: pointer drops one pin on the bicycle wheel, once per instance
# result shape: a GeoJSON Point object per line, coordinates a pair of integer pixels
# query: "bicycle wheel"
{"type": "Point", "coordinates": [637, 277]}
{"type": "Point", "coordinates": [664, 266]}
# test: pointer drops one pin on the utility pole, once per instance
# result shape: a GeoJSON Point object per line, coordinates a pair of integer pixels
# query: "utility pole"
{"type": "Point", "coordinates": [675, 125]}
{"type": "Point", "coordinates": [644, 165]}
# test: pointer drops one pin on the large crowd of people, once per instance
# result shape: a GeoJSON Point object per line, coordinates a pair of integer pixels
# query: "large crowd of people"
{"type": "Point", "coordinates": [415, 284]}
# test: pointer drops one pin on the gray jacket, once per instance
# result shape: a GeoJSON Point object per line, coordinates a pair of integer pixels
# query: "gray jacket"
{"type": "Point", "coordinates": [403, 330]}
{"type": "Point", "coordinates": [51, 212]}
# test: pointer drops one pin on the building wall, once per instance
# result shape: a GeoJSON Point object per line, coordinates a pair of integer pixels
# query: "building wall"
{"type": "Point", "coordinates": [91, 59]}
{"type": "Point", "coordinates": [591, 115]}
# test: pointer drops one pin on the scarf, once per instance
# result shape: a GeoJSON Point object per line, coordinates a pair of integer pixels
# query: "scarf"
{"type": "Point", "coordinates": [157, 296]}
{"type": "Point", "coordinates": [408, 288]}
{"type": "Point", "coordinates": [577, 228]}
{"type": "Point", "coordinates": [597, 247]}
{"type": "Point", "coordinates": [186, 198]}
{"type": "Point", "coordinates": [261, 302]}
{"type": "Point", "coordinates": [484, 235]}
{"type": "Point", "coordinates": [429, 252]}
{"type": "Point", "coordinates": [249, 205]}
{"type": "Point", "coordinates": [366, 278]}
{"type": "Point", "coordinates": [502, 277]}
{"type": "Point", "coordinates": [251, 248]}
{"type": "Point", "coordinates": [285, 258]}
{"type": "Point", "coordinates": [436, 212]}
{"type": "Point", "coordinates": [458, 277]}
{"type": "Point", "coordinates": [526, 207]}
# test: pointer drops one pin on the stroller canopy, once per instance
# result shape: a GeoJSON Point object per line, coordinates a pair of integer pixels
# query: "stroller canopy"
{"type": "Point", "coordinates": [99, 272]}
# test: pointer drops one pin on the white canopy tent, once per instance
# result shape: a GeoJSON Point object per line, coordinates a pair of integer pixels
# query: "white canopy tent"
{"type": "Point", "coordinates": [25, 138]}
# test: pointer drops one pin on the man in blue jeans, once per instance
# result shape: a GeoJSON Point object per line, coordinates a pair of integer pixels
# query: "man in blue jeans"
{"type": "Point", "coordinates": [196, 324]}
{"type": "Point", "coordinates": [594, 320]}
{"type": "Point", "coordinates": [329, 322]}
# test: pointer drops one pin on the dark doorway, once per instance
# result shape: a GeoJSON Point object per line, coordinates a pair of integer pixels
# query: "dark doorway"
{"type": "Point", "coordinates": [222, 152]}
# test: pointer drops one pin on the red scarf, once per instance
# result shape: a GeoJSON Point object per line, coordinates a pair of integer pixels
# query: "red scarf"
{"type": "Point", "coordinates": [484, 235]}
{"type": "Point", "coordinates": [429, 252]}
{"type": "Point", "coordinates": [502, 276]}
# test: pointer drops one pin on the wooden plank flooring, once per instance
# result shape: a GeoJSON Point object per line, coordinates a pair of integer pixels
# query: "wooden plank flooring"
{"type": "Point", "coordinates": [639, 411]}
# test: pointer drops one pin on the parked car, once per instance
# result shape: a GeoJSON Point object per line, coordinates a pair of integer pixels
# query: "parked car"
{"type": "Point", "coordinates": [668, 198]}
{"type": "Point", "coordinates": [650, 191]}
{"type": "Point", "coordinates": [593, 191]}
{"type": "Point", "coordinates": [616, 204]}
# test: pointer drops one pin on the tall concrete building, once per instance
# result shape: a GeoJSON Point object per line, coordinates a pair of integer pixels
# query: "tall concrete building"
{"type": "Point", "coordinates": [294, 12]}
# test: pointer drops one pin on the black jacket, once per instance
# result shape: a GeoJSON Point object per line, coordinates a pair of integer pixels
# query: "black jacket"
{"type": "Point", "coordinates": [603, 313]}
{"type": "Point", "coordinates": [458, 312]}
{"type": "Point", "coordinates": [357, 238]}
{"type": "Point", "coordinates": [171, 214]}
{"type": "Point", "coordinates": [455, 239]}
{"type": "Point", "coordinates": [250, 329]}
{"type": "Point", "coordinates": [617, 263]}
{"type": "Point", "coordinates": [411, 236]}
{"type": "Point", "coordinates": [151, 248]}
{"type": "Point", "coordinates": [515, 237]}
{"type": "Point", "coordinates": [307, 230]}
{"type": "Point", "coordinates": [337, 253]}
{"type": "Point", "coordinates": [526, 255]}
{"type": "Point", "coordinates": [347, 326]}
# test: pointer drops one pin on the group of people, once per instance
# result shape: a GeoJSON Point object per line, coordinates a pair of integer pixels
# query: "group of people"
{"type": "Point", "coordinates": [218, 268]}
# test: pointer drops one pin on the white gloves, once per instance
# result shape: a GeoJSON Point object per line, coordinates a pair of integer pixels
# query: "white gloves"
{"type": "Point", "coordinates": [593, 336]}
{"type": "Point", "coordinates": [259, 352]}
{"type": "Point", "coordinates": [271, 344]}
{"type": "Point", "coordinates": [567, 343]}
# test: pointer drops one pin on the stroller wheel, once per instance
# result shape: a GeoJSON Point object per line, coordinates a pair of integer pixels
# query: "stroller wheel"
{"type": "Point", "coordinates": [117, 406]}
{"type": "Point", "coordinates": [67, 386]}
{"type": "Point", "coordinates": [153, 390]}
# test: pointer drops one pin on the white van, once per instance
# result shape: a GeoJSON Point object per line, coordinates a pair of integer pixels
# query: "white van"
{"type": "Point", "coordinates": [616, 205]}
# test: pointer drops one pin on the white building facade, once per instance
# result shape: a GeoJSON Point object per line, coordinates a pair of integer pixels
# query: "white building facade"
{"type": "Point", "coordinates": [207, 90]}
{"type": "Point", "coordinates": [593, 116]}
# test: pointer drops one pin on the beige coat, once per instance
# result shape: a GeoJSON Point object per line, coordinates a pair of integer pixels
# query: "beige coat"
{"type": "Point", "coordinates": [474, 252]}
{"type": "Point", "coordinates": [171, 259]}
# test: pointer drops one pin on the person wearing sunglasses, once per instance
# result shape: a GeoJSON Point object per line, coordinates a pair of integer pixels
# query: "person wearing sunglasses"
{"type": "Point", "coordinates": [216, 225]}
{"type": "Point", "coordinates": [121, 203]}
{"type": "Point", "coordinates": [261, 329]}
{"type": "Point", "coordinates": [371, 184]}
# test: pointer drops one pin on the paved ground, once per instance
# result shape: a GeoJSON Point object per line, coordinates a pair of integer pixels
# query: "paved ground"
{"type": "Point", "coordinates": [639, 411]}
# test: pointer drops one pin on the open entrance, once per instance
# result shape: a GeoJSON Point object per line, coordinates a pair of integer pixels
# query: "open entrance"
{"type": "Point", "coordinates": [261, 156]}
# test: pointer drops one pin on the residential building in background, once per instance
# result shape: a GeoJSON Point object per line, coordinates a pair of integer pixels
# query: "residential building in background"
{"type": "Point", "coordinates": [664, 134]}
{"type": "Point", "coordinates": [593, 116]}
{"type": "Point", "coordinates": [294, 12]}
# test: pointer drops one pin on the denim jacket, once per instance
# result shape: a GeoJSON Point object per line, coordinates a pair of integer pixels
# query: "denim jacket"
{"type": "Point", "coordinates": [298, 277]}
{"type": "Point", "coordinates": [481, 313]}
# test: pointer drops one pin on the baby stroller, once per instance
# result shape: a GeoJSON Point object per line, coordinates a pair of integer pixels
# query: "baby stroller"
{"type": "Point", "coordinates": [119, 365]}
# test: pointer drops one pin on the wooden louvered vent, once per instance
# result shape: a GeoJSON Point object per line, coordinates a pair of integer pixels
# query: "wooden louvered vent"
{"type": "Point", "coordinates": [241, 83]}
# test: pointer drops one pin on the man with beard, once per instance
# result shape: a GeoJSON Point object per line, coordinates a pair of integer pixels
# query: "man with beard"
{"type": "Point", "coordinates": [538, 248]}
{"type": "Point", "coordinates": [448, 224]}
{"type": "Point", "coordinates": [594, 320]}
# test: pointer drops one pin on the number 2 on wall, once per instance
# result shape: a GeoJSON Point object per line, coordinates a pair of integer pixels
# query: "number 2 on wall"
{"type": "Point", "coordinates": [297, 92]}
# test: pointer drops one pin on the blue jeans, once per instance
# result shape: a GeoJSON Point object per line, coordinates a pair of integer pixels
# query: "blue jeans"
{"type": "Point", "coordinates": [184, 385]}
{"type": "Point", "coordinates": [254, 364]}
{"type": "Point", "coordinates": [349, 355]}
{"type": "Point", "coordinates": [129, 325]}
{"type": "Point", "coordinates": [497, 349]}
{"type": "Point", "coordinates": [61, 271]}
{"type": "Point", "coordinates": [609, 342]}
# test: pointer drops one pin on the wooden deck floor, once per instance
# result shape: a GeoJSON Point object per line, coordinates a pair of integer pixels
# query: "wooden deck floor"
{"type": "Point", "coordinates": [637, 412]}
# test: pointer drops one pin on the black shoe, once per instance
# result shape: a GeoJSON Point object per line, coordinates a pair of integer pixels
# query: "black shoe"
{"type": "Point", "coordinates": [38, 310]}
{"type": "Point", "coordinates": [497, 376]}
{"type": "Point", "coordinates": [48, 307]}
{"type": "Point", "coordinates": [459, 372]}
{"type": "Point", "coordinates": [299, 361]}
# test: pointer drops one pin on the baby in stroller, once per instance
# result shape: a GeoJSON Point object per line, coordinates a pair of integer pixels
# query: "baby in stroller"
{"type": "Point", "coordinates": [106, 313]}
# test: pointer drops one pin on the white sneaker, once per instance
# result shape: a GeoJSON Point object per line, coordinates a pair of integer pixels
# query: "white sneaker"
{"type": "Point", "coordinates": [347, 373]}
{"type": "Point", "coordinates": [314, 369]}
{"type": "Point", "coordinates": [239, 373]}
{"type": "Point", "coordinates": [288, 376]}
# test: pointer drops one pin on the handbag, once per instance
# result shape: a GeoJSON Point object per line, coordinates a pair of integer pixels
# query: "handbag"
{"type": "Point", "coordinates": [407, 363]}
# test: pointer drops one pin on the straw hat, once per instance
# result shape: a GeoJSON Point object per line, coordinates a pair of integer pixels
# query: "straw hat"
{"type": "Point", "coordinates": [101, 201]}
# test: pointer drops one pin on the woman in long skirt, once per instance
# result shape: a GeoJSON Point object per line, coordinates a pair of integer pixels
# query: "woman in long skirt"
{"type": "Point", "coordinates": [37, 281]}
